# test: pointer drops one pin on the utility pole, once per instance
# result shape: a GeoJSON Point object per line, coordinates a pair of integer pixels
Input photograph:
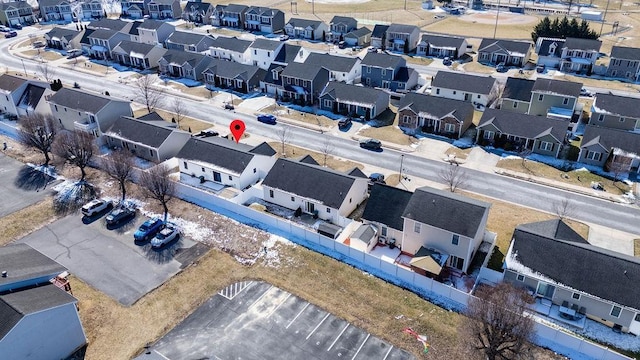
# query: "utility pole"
{"type": "Point", "coordinates": [401, 161]}
{"type": "Point", "coordinates": [24, 68]}
{"type": "Point", "coordinates": [313, 6]}
{"type": "Point", "coordinates": [495, 29]}
{"type": "Point", "coordinates": [405, 4]}
{"type": "Point", "coordinates": [604, 17]}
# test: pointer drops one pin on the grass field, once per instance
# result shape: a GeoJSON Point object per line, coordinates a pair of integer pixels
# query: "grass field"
{"type": "Point", "coordinates": [295, 152]}
{"type": "Point", "coordinates": [636, 247]}
{"type": "Point", "coordinates": [187, 123]}
{"type": "Point", "coordinates": [308, 118]}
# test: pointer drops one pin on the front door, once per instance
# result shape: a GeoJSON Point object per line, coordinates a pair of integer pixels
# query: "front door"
{"type": "Point", "coordinates": [311, 208]}
{"type": "Point", "coordinates": [545, 290]}
{"type": "Point", "coordinates": [216, 176]}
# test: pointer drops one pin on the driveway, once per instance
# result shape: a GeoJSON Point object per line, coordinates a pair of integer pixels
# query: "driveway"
{"type": "Point", "coordinates": [256, 320]}
{"type": "Point", "coordinates": [109, 260]}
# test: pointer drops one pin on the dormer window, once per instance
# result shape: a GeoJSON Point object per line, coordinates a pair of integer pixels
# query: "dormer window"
{"type": "Point", "coordinates": [552, 48]}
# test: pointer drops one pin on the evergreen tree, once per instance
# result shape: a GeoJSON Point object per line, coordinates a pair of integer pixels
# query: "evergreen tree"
{"type": "Point", "coordinates": [563, 29]}
{"type": "Point", "coordinates": [542, 29]}
{"type": "Point", "coordinates": [574, 29]}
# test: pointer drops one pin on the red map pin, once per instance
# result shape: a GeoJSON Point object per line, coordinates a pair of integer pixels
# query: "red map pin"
{"type": "Point", "coordinates": [237, 129]}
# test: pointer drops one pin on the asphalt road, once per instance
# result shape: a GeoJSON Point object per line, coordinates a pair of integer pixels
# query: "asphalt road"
{"type": "Point", "coordinates": [20, 185]}
{"type": "Point", "coordinates": [589, 209]}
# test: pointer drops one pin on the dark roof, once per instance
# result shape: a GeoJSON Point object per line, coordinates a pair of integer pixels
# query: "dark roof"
{"type": "Point", "coordinates": [302, 70]}
{"type": "Point", "coordinates": [617, 105]}
{"type": "Point", "coordinates": [180, 57]}
{"type": "Point", "coordinates": [545, 43]}
{"type": "Point", "coordinates": [132, 46]}
{"type": "Point", "coordinates": [152, 116]}
{"type": "Point", "coordinates": [263, 11]}
{"type": "Point", "coordinates": [85, 36]}
{"type": "Point", "coordinates": [310, 181]}
{"type": "Point", "coordinates": [443, 41]}
{"type": "Point", "coordinates": [197, 6]}
{"type": "Point", "coordinates": [31, 96]}
{"type": "Point", "coordinates": [615, 278]}
{"type": "Point", "coordinates": [219, 152]}
{"type": "Point", "coordinates": [463, 82]}
{"type": "Point", "coordinates": [511, 46]}
{"type": "Point", "coordinates": [446, 210]}
{"type": "Point", "coordinates": [557, 87]}
{"type": "Point", "coordinates": [553, 229]}
{"type": "Point", "coordinates": [139, 131]}
{"type": "Point", "coordinates": [287, 54]}
{"type": "Point", "coordinates": [22, 263]}
{"type": "Point", "coordinates": [523, 125]}
{"type": "Point", "coordinates": [108, 24]}
{"type": "Point", "coordinates": [436, 106]}
{"type": "Point", "coordinates": [379, 31]}
{"type": "Point", "coordinates": [363, 31]}
{"type": "Point", "coordinates": [582, 44]}
{"type": "Point", "coordinates": [383, 60]}
{"type": "Point", "coordinates": [62, 33]}
{"type": "Point", "coordinates": [80, 100]}
{"type": "Point", "coordinates": [356, 172]}
{"type": "Point", "coordinates": [347, 93]}
{"type": "Point", "coordinates": [386, 205]}
{"type": "Point", "coordinates": [235, 8]}
{"type": "Point", "coordinates": [344, 20]}
{"type": "Point", "coordinates": [265, 44]}
{"type": "Point", "coordinates": [332, 62]}
{"type": "Point", "coordinates": [308, 159]}
{"type": "Point", "coordinates": [263, 149]}
{"type": "Point", "coordinates": [231, 43]}
{"type": "Point", "coordinates": [611, 138]}
{"type": "Point", "coordinates": [232, 70]}
{"type": "Point", "coordinates": [518, 89]}
{"type": "Point", "coordinates": [151, 24]}
{"type": "Point", "coordinates": [134, 28]}
{"type": "Point", "coordinates": [104, 34]}
{"type": "Point", "coordinates": [15, 4]}
{"type": "Point", "coordinates": [623, 52]}
{"type": "Point", "coordinates": [304, 23]}
{"type": "Point", "coordinates": [187, 38]}
{"type": "Point", "coordinates": [403, 74]}
{"type": "Point", "coordinates": [10, 82]}
{"type": "Point", "coordinates": [402, 28]}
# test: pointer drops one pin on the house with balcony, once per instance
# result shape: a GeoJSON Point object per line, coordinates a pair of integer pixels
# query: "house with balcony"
{"type": "Point", "coordinates": [155, 141]}
{"type": "Point", "coordinates": [517, 95]}
{"type": "Point", "coordinates": [339, 26]}
{"type": "Point", "coordinates": [224, 163]}
{"type": "Point", "coordinates": [442, 46]}
{"type": "Point", "coordinates": [262, 52]}
{"type": "Point", "coordinates": [508, 52]}
{"type": "Point", "coordinates": [352, 100]}
{"type": "Point", "coordinates": [556, 99]}
{"type": "Point", "coordinates": [624, 63]}
{"type": "Point", "coordinates": [102, 42]}
{"type": "Point", "coordinates": [16, 13]}
{"type": "Point", "coordinates": [517, 132]}
{"type": "Point", "coordinates": [136, 55]}
{"type": "Point", "coordinates": [319, 191]}
{"type": "Point", "coordinates": [263, 19]}
{"type": "Point", "coordinates": [303, 83]}
{"type": "Point", "coordinates": [549, 51]}
{"type": "Point", "coordinates": [481, 91]}
{"type": "Point", "coordinates": [402, 38]}
{"type": "Point", "coordinates": [63, 39]}
{"type": "Point", "coordinates": [182, 64]}
{"type": "Point", "coordinates": [56, 10]}
{"type": "Point", "coordinates": [132, 9]}
{"type": "Point", "coordinates": [198, 12]}
{"type": "Point", "coordinates": [92, 9]}
{"type": "Point", "coordinates": [231, 48]}
{"type": "Point", "coordinates": [231, 75]}
{"type": "Point", "coordinates": [345, 69]}
{"type": "Point", "coordinates": [579, 55]}
{"type": "Point", "coordinates": [616, 112]}
{"type": "Point", "coordinates": [551, 260]}
{"type": "Point", "coordinates": [306, 29]}
{"type": "Point", "coordinates": [189, 41]}
{"type": "Point", "coordinates": [20, 96]}
{"type": "Point", "coordinates": [434, 115]}
{"type": "Point", "coordinates": [154, 32]}
{"type": "Point", "coordinates": [613, 149]}
{"type": "Point", "coordinates": [90, 112]}
{"type": "Point", "coordinates": [231, 16]}
{"type": "Point", "coordinates": [164, 9]}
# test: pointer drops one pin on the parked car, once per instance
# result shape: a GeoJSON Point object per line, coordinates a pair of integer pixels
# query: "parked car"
{"type": "Point", "coordinates": [120, 214]}
{"type": "Point", "coordinates": [377, 178]}
{"type": "Point", "coordinates": [342, 44]}
{"type": "Point", "coordinates": [501, 67]}
{"type": "Point", "coordinates": [372, 49]}
{"type": "Point", "coordinates": [585, 92]}
{"type": "Point", "coordinates": [284, 37]}
{"type": "Point", "coordinates": [357, 48]}
{"type": "Point", "coordinates": [10, 34]}
{"type": "Point", "coordinates": [229, 106]}
{"type": "Point", "coordinates": [96, 206]}
{"type": "Point", "coordinates": [4, 28]}
{"type": "Point", "coordinates": [447, 61]}
{"type": "Point", "coordinates": [371, 144]}
{"type": "Point", "coordinates": [17, 26]}
{"type": "Point", "coordinates": [267, 119]}
{"type": "Point", "coordinates": [344, 123]}
{"type": "Point", "coordinates": [540, 68]}
{"type": "Point", "coordinates": [165, 236]}
{"type": "Point", "coordinates": [73, 53]}
{"type": "Point", "coordinates": [148, 229]}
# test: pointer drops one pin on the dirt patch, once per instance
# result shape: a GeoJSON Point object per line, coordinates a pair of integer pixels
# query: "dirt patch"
{"type": "Point", "coordinates": [335, 163]}
{"type": "Point", "coordinates": [504, 18]}
{"type": "Point", "coordinates": [636, 247]}
{"type": "Point", "coordinates": [313, 119]}
{"type": "Point", "coordinates": [460, 154]}
{"type": "Point", "coordinates": [478, 68]}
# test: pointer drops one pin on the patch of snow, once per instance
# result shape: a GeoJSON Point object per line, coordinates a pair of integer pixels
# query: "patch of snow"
{"type": "Point", "coordinates": [463, 143]}
{"type": "Point", "coordinates": [385, 253]}
{"type": "Point", "coordinates": [511, 157]}
{"type": "Point", "coordinates": [582, 169]}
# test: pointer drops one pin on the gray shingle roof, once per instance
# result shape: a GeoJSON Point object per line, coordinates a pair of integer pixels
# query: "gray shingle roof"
{"type": "Point", "coordinates": [302, 70]}
{"type": "Point", "coordinates": [349, 21]}
{"type": "Point", "coordinates": [308, 159]}
{"type": "Point", "coordinates": [197, 6]}
{"type": "Point", "coordinates": [611, 138]}
{"type": "Point", "coordinates": [463, 82]}
{"type": "Point", "coordinates": [546, 43]}
{"type": "Point", "coordinates": [617, 105]}
{"type": "Point", "coordinates": [523, 125]}
{"type": "Point", "coordinates": [139, 131]}
{"type": "Point", "coordinates": [436, 106]}
{"type": "Point", "coordinates": [518, 89]}
{"type": "Point", "coordinates": [132, 46]}
{"type": "Point", "coordinates": [31, 96]}
{"type": "Point", "coordinates": [263, 149]}
{"type": "Point", "coordinates": [379, 31]}
{"type": "Point", "coordinates": [182, 57]}
{"type": "Point", "coordinates": [402, 28]}
{"type": "Point", "coordinates": [152, 116]}
{"type": "Point", "coordinates": [85, 36]}
{"type": "Point", "coordinates": [265, 44]}
{"type": "Point", "coordinates": [356, 172]}
{"type": "Point", "coordinates": [443, 41]}
{"type": "Point", "coordinates": [23, 263]}
{"type": "Point", "coordinates": [332, 62]}
{"type": "Point", "coordinates": [583, 44]}
{"type": "Point", "coordinates": [310, 181]}
{"type": "Point", "coordinates": [446, 210]}
{"type": "Point", "coordinates": [263, 11]}
{"type": "Point", "coordinates": [188, 38]}
{"type": "Point", "coordinates": [553, 229]}
{"type": "Point", "coordinates": [219, 152]}
{"type": "Point", "coordinates": [511, 46]}
{"type": "Point", "coordinates": [103, 34]}
{"type": "Point", "coordinates": [347, 93]}
{"type": "Point", "coordinates": [231, 43]}
{"type": "Point", "coordinates": [304, 23]}
{"type": "Point", "coordinates": [15, 4]}
{"type": "Point", "coordinates": [287, 54]}
{"type": "Point", "coordinates": [109, 24]}
{"type": "Point", "coordinates": [363, 31]}
{"type": "Point", "coordinates": [151, 24]}
{"type": "Point", "coordinates": [627, 53]}
{"type": "Point", "coordinates": [10, 82]}
{"type": "Point", "coordinates": [235, 8]}
{"type": "Point", "coordinates": [80, 100]}
{"type": "Point", "coordinates": [232, 70]}
{"type": "Point", "coordinates": [383, 60]}
{"type": "Point", "coordinates": [557, 87]}
{"type": "Point", "coordinates": [386, 205]}
{"type": "Point", "coordinates": [62, 33]}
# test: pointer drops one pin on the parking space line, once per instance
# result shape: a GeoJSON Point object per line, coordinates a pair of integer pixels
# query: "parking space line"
{"type": "Point", "coordinates": [234, 289]}
{"type": "Point", "coordinates": [261, 296]}
{"type": "Point", "coordinates": [317, 326]}
{"type": "Point", "coordinates": [336, 340]}
{"type": "Point", "coordinates": [281, 302]}
{"type": "Point", "coordinates": [360, 348]}
{"type": "Point", "coordinates": [294, 319]}
{"type": "Point", "coordinates": [388, 352]}
{"type": "Point", "coordinates": [160, 354]}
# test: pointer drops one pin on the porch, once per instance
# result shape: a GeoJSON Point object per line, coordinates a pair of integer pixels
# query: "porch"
{"type": "Point", "coordinates": [566, 313]}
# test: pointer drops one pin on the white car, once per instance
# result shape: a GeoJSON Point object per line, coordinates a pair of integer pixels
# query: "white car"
{"type": "Point", "coordinates": [165, 236]}
{"type": "Point", "coordinates": [95, 206]}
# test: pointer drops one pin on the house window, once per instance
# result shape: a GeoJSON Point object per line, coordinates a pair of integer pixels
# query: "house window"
{"type": "Point", "coordinates": [449, 128]}
{"type": "Point", "coordinates": [488, 135]}
{"type": "Point", "coordinates": [575, 296]}
{"type": "Point", "coordinates": [55, 106]}
{"type": "Point", "coordinates": [455, 239]}
{"type": "Point", "coordinates": [383, 231]}
{"type": "Point", "coordinates": [254, 170]}
{"type": "Point", "coordinates": [327, 103]}
{"type": "Point", "coordinates": [594, 155]}
{"type": "Point", "coordinates": [478, 96]}
{"type": "Point", "coordinates": [540, 97]}
{"type": "Point", "coordinates": [255, 52]}
{"type": "Point", "coordinates": [601, 117]}
{"type": "Point", "coordinates": [406, 119]}
{"type": "Point", "coordinates": [615, 311]}
{"type": "Point", "coordinates": [416, 228]}
{"type": "Point", "coordinates": [520, 277]}
{"type": "Point", "coordinates": [150, 152]}
{"type": "Point", "coordinates": [454, 92]}
{"type": "Point", "coordinates": [621, 119]}
{"type": "Point", "coordinates": [515, 104]}
{"type": "Point", "coordinates": [368, 69]}
{"type": "Point", "coordinates": [637, 318]}
{"type": "Point", "coordinates": [565, 101]}
{"type": "Point", "coordinates": [271, 193]}
{"type": "Point", "coordinates": [546, 146]}
{"type": "Point", "coordinates": [185, 165]}
{"type": "Point", "coordinates": [328, 210]}
{"type": "Point", "coordinates": [202, 169]}
{"type": "Point", "coordinates": [230, 177]}
{"type": "Point", "coordinates": [437, 91]}
{"type": "Point", "coordinates": [383, 72]}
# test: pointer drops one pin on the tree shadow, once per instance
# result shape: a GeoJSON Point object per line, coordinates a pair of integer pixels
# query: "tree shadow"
{"type": "Point", "coordinates": [31, 179]}
{"type": "Point", "coordinates": [71, 198]}
{"type": "Point", "coordinates": [163, 254]}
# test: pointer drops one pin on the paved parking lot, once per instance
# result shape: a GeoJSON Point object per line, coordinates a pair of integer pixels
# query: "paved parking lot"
{"type": "Point", "coordinates": [21, 186]}
{"type": "Point", "coordinates": [255, 320]}
{"type": "Point", "coordinates": [109, 260]}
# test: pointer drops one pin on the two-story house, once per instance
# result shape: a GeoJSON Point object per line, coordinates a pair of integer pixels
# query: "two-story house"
{"type": "Point", "coordinates": [613, 149]}
{"type": "Point", "coordinates": [341, 98]}
{"type": "Point", "coordinates": [140, 56]}
{"type": "Point", "coordinates": [21, 97]}
{"type": "Point", "coordinates": [379, 36]}
{"type": "Point", "coordinates": [507, 52]}
{"type": "Point", "coordinates": [346, 69]}
{"type": "Point", "coordinates": [62, 39]}
{"type": "Point", "coordinates": [434, 115]}
{"type": "Point", "coordinates": [517, 95]}
{"type": "Point", "coordinates": [189, 41]}
{"type": "Point", "coordinates": [89, 112]}
{"type": "Point", "coordinates": [102, 42]}
{"type": "Point", "coordinates": [339, 26]}
{"type": "Point", "coordinates": [133, 9]}
{"type": "Point", "coordinates": [231, 48]}
{"type": "Point", "coordinates": [16, 13]}
{"type": "Point", "coordinates": [92, 9]}
{"type": "Point", "coordinates": [154, 32]}
{"type": "Point", "coordinates": [306, 29]}
{"type": "Point", "coordinates": [263, 19]}
{"type": "Point", "coordinates": [402, 38]}
{"type": "Point", "coordinates": [262, 52]}
{"type": "Point", "coordinates": [182, 64]}
{"type": "Point", "coordinates": [481, 91]}
{"type": "Point", "coordinates": [198, 12]}
{"type": "Point", "coordinates": [303, 82]}
{"type": "Point", "coordinates": [549, 51]}
{"type": "Point", "coordinates": [288, 53]}
{"type": "Point", "coordinates": [232, 75]}
{"type": "Point", "coordinates": [616, 112]}
{"type": "Point", "coordinates": [624, 63]}
{"type": "Point", "coordinates": [110, 24]}
{"type": "Point", "coordinates": [380, 69]}
{"type": "Point", "coordinates": [164, 9]}
{"type": "Point", "coordinates": [442, 46]}
{"type": "Point", "coordinates": [231, 16]}
{"type": "Point", "coordinates": [556, 99]}
{"type": "Point", "coordinates": [384, 210]}
{"type": "Point", "coordinates": [579, 55]}
{"type": "Point", "coordinates": [55, 10]}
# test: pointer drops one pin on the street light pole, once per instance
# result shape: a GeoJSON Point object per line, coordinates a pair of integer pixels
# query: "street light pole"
{"type": "Point", "coordinates": [401, 161]}
{"type": "Point", "coordinates": [24, 68]}
{"type": "Point", "coordinates": [604, 17]}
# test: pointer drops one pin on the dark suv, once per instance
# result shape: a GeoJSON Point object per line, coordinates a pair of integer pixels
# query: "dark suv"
{"type": "Point", "coordinates": [371, 144]}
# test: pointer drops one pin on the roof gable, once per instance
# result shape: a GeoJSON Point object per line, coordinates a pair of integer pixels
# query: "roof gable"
{"type": "Point", "coordinates": [557, 87]}
{"type": "Point", "coordinates": [231, 44]}
{"type": "Point", "coordinates": [140, 131]}
{"type": "Point", "coordinates": [218, 152]}
{"type": "Point", "coordinates": [382, 60]}
{"type": "Point", "coordinates": [510, 46]}
{"type": "Point", "coordinates": [438, 107]}
{"type": "Point", "coordinates": [463, 82]}
{"type": "Point", "coordinates": [332, 62]}
{"type": "Point", "coordinates": [583, 44]}
{"type": "Point", "coordinates": [347, 93]}
{"type": "Point", "coordinates": [386, 205]}
{"type": "Point", "coordinates": [81, 100]}
{"type": "Point", "coordinates": [626, 53]}
{"type": "Point", "coordinates": [443, 41]}
{"type": "Point", "coordinates": [611, 139]}
{"type": "Point", "coordinates": [518, 89]}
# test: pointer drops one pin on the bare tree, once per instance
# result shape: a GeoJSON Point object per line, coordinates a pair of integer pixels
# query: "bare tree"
{"type": "Point", "coordinates": [39, 132]}
{"type": "Point", "coordinates": [179, 110]}
{"type": "Point", "coordinates": [76, 147]}
{"type": "Point", "coordinates": [453, 176]}
{"type": "Point", "coordinates": [327, 150]}
{"type": "Point", "coordinates": [617, 169]}
{"type": "Point", "coordinates": [47, 71]}
{"type": "Point", "coordinates": [157, 185]}
{"type": "Point", "coordinates": [144, 92]}
{"type": "Point", "coordinates": [496, 327]}
{"type": "Point", "coordinates": [563, 208]}
{"type": "Point", "coordinates": [119, 165]}
{"type": "Point", "coordinates": [283, 135]}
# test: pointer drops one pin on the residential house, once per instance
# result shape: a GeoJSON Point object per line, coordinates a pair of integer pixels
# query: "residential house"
{"type": "Point", "coordinates": [102, 42]}
{"type": "Point", "coordinates": [188, 41]}
{"type": "Point", "coordinates": [16, 13]}
{"type": "Point", "coordinates": [481, 91]}
{"type": "Point", "coordinates": [262, 52]}
{"type": "Point", "coordinates": [154, 141]}
{"type": "Point", "coordinates": [306, 29]}
{"type": "Point", "coordinates": [615, 150]}
{"type": "Point", "coordinates": [263, 19]}
{"type": "Point", "coordinates": [341, 68]}
{"type": "Point", "coordinates": [401, 37]}
{"type": "Point", "coordinates": [182, 64]}
{"type": "Point", "coordinates": [133, 9]}
{"type": "Point", "coordinates": [140, 56]}
{"type": "Point", "coordinates": [85, 43]}
{"type": "Point", "coordinates": [110, 24]}
{"type": "Point", "coordinates": [216, 16]}
{"type": "Point", "coordinates": [89, 112]}
{"type": "Point", "coordinates": [508, 52]}
{"type": "Point", "coordinates": [339, 26]}
{"type": "Point", "coordinates": [198, 12]}
{"type": "Point", "coordinates": [154, 32]}
{"type": "Point", "coordinates": [517, 95]}
{"type": "Point", "coordinates": [20, 96]}
{"type": "Point", "coordinates": [515, 131]}
{"type": "Point", "coordinates": [549, 51]}
{"type": "Point", "coordinates": [341, 98]}
{"type": "Point", "coordinates": [231, 15]}
{"type": "Point", "coordinates": [231, 48]}
{"type": "Point", "coordinates": [434, 115]}
{"type": "Point", "coordinates": [556, 99]}
{"type": "Point", "coordinates": [624, 63]}
{"type": "Point", "coordinates": [39, 319]}
{"type": "Point", "coordinates": [579, 55]}
{"type": "Point", "coordinates": [386, 71]}
{"type": "Point", "coordinates": [225, 162]}
{"type": "Point", "coordinates": [92, 9]}
{"type": "Point", "coordinates": [55, 10]}
{"type": "Point", "coordinates": [303, 82]}
{"type": "Point", "coordinates": [379, 36]}
{"type": "Point", "coordinates": [616, 112]}
{"type": "Point", "coordinates": [358, 37]}
{"type": "Point", "coordinates": [316, 190]}
{"type": "Point", "coordinates": [231, 75]}
{"type": "Point", "coordinates": [551, 260]}
{"type": "Point", "coordinates": [63, 39]}
{"type": "Point", "coordinates": [288, 53]}
{"type": "Point", "coordinates": [442, 46]}
{"type": "Point", "coordinates": [291, 53]}
{"type": "Point", "coordinates": [384, 210]}
{"type": "Point", "coordinates": [164, 9]}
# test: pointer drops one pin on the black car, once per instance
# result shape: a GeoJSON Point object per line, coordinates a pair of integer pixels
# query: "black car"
{"type": "Point", "coordinates": [17, 26]}
{"type": "Point", "coordinates": [10, 34]}
{"type": "Point", "coordinates": [344, 123]}
{"type": "Point", "coordinates": [119, 214]}
{"type": "Point", "coordinates": [371, 144]}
